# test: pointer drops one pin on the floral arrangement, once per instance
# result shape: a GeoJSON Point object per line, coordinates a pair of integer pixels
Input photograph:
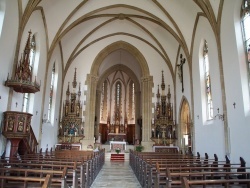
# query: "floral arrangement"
{"type": "Point", "coordinates": [139, 148]}
{"type": "Point", "coordinates": [117, 150]}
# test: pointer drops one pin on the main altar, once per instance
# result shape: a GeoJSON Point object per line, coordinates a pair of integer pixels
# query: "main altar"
{"type": "Point", "coordinates": [163, 127]}
{"type": "Point", "coordinates": [71, 130]}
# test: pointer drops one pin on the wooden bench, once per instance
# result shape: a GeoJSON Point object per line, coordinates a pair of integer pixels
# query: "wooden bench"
{"type": "Point", "coordinates": [225, 182]}
{"type": "Point", "coordinates": [46, 181]}
{"type": "Point", "coordinates": [14, 177]}
{"type": "Point", "coordinates": [81, 171]}
{"type": "Point", "coordinates": [151, 168]}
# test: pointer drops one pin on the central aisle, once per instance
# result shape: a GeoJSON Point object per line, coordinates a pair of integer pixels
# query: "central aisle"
{"type": "Point", "coordinates": [116, 175]}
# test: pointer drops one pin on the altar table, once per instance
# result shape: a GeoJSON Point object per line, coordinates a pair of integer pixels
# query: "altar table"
{"type": "Point", "coordinates": [168, 149]}
{"type": "Point", "coordinates": [117, 144]}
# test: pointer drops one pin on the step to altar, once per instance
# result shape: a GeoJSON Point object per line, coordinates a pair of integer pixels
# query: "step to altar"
{"type": "Point", "coordinates": [117, 157]}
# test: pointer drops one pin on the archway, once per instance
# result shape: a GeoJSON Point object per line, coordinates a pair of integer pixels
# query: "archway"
{"type": "Point", "coordinates": [185, 127]}
{"type": "Point", "coordinates": [106, 120]}
{"type": "Point", "coordinates": [144, 96]}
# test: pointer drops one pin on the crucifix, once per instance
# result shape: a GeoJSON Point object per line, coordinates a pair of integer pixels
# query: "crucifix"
{"type": "Point", "coordinates": [180, 70]}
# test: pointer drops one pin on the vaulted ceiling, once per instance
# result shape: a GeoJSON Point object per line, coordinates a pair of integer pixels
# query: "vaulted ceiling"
{"type": "Point", "coordinates": [164, 26]}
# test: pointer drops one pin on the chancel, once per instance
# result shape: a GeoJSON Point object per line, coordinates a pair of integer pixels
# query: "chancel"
{"type": "Point", "coordinates": [108, 93]}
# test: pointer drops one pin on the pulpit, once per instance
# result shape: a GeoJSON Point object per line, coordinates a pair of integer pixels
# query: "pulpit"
{"type": "Point", "coordinates": [17, 128]}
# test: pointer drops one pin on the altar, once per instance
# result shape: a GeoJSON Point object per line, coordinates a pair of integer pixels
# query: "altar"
{"type": "Point", "coordinates": [68, 146]}
{"type": "Point", "coordinates": [116, 137]}
{"type": "Point", "coordinates": [166, 149]}
{"type": "Point", "coordinates": [116, 144]}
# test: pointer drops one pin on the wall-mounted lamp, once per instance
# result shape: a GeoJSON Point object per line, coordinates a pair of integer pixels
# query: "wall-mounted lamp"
{"type": "Point", "coordinates": [44, 120]}
{"type": "Point", "coordinates": [234, 104]}
{"type": "Point", "coordinates": [220, 116]}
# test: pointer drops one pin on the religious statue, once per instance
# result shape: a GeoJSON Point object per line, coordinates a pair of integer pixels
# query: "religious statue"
{"type": "Point", "coordinates": [77, 110]}
{"type": "Point", "coordinates": [66, 110]}
{"type": "Point", "coordinates": [11, 125]}
{"type": "Point", "coordinates": [72, 106]}
{"type": "Point", "coordinates": [20, 126]}
{"type": "Point", "coordinates": [72, 130]}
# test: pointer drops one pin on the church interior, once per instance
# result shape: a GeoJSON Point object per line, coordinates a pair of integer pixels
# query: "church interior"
{"type": "Point", "coordinates": [158, 75]}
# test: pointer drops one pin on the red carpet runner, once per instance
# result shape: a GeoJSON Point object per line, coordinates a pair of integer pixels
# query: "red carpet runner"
{"type": "Point", "coordinates": [117, 157]}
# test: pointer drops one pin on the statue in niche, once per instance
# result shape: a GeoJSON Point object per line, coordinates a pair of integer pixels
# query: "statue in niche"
{"type": "Point", "coordinates": [77, 110]}
{"type": "Point", "coordinates": [20, 126]}
{"type": "Point", "coordinates": [66, 109]}
{"type": "Point", "coordinates": [11, 125]}
{"type": "Point", "coordinates": [82, 130]}
{"type": "Point", "coordinates": [72, 130]}
{"type": "Point", "coordinates": [72, 105]}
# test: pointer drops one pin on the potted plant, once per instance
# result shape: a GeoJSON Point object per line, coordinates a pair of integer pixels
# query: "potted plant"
{"type": "Point", "coordinates": [139, 148]}
{"type": "Point", "coordinates": [117, 150]}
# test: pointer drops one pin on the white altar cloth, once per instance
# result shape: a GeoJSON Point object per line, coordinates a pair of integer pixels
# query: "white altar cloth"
{"type": "Point", "coordinates": [117, 142]}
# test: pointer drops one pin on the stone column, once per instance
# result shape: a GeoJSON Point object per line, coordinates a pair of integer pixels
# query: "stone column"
{"type": "Point", "coordinates": [147, 84]}
{"type": "Point", "coordinates": [91, 83]}
{"type": "Point", "coordinates": [97, 112]}
{"type": "Point", "coordinates": [137, 113]}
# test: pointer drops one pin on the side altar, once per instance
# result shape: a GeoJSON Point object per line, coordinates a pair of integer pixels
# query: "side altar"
{"type": "Point", "coordinates": [71, 130]}
{"type": "Point", "coordinates": [163, 127]}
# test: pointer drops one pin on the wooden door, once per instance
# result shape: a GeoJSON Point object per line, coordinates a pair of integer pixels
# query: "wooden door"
{"type": "Point", "coordinates": [131, 133]}
{"type": "Point", "coordinates": [103, 131]}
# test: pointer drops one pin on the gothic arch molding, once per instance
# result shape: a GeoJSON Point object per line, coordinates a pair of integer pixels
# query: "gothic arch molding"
{"type": "Point", "coordinates": [120, 45]}
{"type": "Point", "coordinates": [145, 96]}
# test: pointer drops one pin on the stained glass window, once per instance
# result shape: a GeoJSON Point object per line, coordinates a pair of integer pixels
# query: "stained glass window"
{"type": "Point", "coordinates": [208, 82]}
{"type": "Point", "coordinates": [51, 92]}
{"type": "Point", "coordinates": [246, 29]}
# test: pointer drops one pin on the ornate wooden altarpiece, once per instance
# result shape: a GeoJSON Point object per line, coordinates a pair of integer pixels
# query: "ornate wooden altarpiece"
{"type": "Point", "coordinates": [71, 126]}
{"type": "Point", "coordinates": [163, 128]}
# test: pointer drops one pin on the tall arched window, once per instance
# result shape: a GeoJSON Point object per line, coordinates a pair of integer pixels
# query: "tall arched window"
{"type": "Point", "coordinates": [131, 100]}
{"type": "Point", "coordinates": [2, 13]}
{"type": "Point", "coordinates": [207, 82]}
{"type": "Point", "coordinates": [104, 101]}
{"type": "Point", "coordinates": [51, 92]}
{"type": "Point", "coordinates": [26, 96]}
{"type": "Point", "coordinates": [118, 102]}
{"type": "Point", "coordinates": [246, 29]}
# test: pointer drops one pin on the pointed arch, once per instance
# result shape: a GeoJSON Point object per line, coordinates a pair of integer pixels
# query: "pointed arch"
{"type": "Point", "coordinates": [185, 129]}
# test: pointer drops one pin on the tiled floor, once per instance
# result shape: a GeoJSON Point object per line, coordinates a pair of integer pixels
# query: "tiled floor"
{"type": "Point", "coordinates": [116, 175]}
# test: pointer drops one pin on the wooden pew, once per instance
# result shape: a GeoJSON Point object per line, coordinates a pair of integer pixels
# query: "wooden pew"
{"type": "Point", "coordinates": [46, 180]}
{"type": "Point", "coordinates": [82, 170]}
{"type": "Point", "coordinates": [226, 182]}
{"type": "Point", "coordinates": [13, 177]}
{"type": "Point", "coordinates": [151, 175]}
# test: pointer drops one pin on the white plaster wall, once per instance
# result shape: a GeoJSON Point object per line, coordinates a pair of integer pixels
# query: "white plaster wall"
{"type": "Point", "coordinates": [208, 134]}
{"type": "Point", "coordinates": [50, 129]}
{"type": "Point", "coordinates": [35, 24]}
{"type": "Point", "coordinates": [7, 52]}
{"type": "Point", "coordinates": [236, 81]}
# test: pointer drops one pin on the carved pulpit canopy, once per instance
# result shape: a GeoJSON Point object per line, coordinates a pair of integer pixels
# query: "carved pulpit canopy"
{"type": "Point", "coordinates": [22, 81]}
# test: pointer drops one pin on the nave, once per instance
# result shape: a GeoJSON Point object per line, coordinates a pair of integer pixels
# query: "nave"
{"type": "Point", "coordinates": [116, 174]}
{"type": "Point", "coordinates": [87, 169]}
